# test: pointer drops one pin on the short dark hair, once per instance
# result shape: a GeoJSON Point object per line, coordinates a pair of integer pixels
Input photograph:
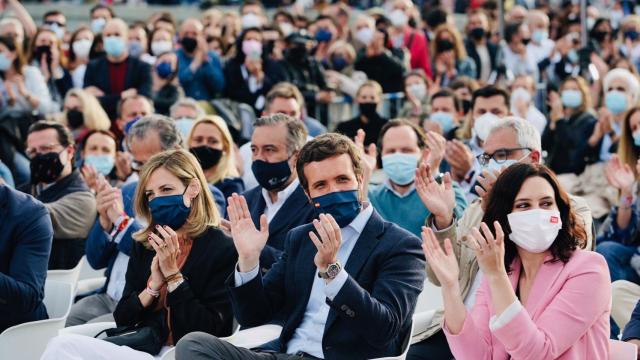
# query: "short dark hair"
{"type": "Point", "coordinates": [435, 17]}
{"type": "Point", "coordinates": [65, 138]}
{"type": "Point", "coordinates": [490, 91]}
{"type": "Point", "coordinates": [103, 132]}
{"type": "Point", "coordinates": [251, 2]}
{"type": "Point", "coordinates": [403, 122]}
{"type": "Point", "coordinates": [324, 147]}
{"type": "Point", "coordinates": [101, 6]}
{"type": "Point", "coordinates": [327, 17]}
{"type": "Point", "coordinates": [52, 13]}
{"type": "Point", "coordinates": [510, 30]}
{"type": "Point", "coordinates": [500, 204]}
{"type": "Point", "coordinates": [446, 93]}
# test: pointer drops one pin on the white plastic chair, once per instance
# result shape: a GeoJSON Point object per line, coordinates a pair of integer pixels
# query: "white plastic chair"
{"type": "Point", "coordinates": [620, 350]}
{"type": "Point", "coordinates": [405, 347]}
{"type": "Point", "coordinates": [429, 301]}
{"type": "Point", "coordinates": [90, 279]}
{"type": "Point", "coordinates": [27, 341]}
{"type": "Point", "coordinates": [69, 276]}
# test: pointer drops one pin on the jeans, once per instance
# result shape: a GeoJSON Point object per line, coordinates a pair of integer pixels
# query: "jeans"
{"type": "Point", "coordinates": [618, 258]}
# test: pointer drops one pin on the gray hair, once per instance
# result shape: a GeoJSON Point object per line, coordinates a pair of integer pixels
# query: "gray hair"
{"type": "Point", "coordinates": [165, 127]}
{"type": "Point", "coordinates": [296, 130]}
{"type": "Point", "coordinates": [626, 75]}
{"type": "Point", "coordinates": [527, 135]}
{"type": "Point", "coordinates": [187, 102]}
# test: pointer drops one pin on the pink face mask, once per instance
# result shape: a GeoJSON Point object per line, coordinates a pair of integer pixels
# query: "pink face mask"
{"type": "Point", "coordinates": [252, 49]}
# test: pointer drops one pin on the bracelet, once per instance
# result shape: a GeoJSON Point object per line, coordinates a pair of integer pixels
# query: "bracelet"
{"type": "Point", "coordinates": [626, 202]}
{"type": "Point", "coordinates": [174, 285]}
{"type": "Point", "coordinates": [172, 276]}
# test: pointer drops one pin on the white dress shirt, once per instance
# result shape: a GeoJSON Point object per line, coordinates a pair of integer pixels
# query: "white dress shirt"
{"type": "Point", "coordinates": [308, 336]}
{"type": "Point", "coordinates": [272, 208]}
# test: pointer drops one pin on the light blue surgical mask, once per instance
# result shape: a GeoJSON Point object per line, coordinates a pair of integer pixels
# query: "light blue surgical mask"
{"type": "Point", "coordinates": [616, 101]}
{"type": "Point", "coordinates": [538, 36]}
{"type": "Point", "coordinates": [103, 163]}
{"type": "Point", "coordinates": [114, 46]}
{"type": "Point", "coordinates": [636, 138]}
{"type": "Point", "coordinates": [571, 98]}
{"type": "Point", "coordinates": [5, 63]}
{"type": "Point", "coordinates": [135, 49]}
{"type": "Point", "coordinates": [97, 25]}
{"type": "Point", "coordinates": [445, 120]}
{"type": "Point", "coordinates": [573, 56]}
{"type": "Point", "coordinates": [184, 125]}
{"type": "Point", "coordinates": [400, 168]}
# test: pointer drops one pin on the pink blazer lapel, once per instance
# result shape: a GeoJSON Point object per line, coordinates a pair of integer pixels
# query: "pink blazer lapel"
{"type": "Point", "coordinates": [544, 281]}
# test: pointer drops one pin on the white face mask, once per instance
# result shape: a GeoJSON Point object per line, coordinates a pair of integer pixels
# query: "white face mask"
{"type": "Point", "coordinates": [365, 36]}
{"type": "Point", "coordinates": [82, 48]}
{"type": "Point", "coordinates": [398, 18]}
{"type": "Point", "coordinates": [483, 124]}
{"type": "Point", "coordinates": [250, 20]}
{"type": "Point", "coordinates": [534, 230]}
{"type": "Point", "coordinates": [419, 91]}
{"type": "Point", "coordinates": [161, 47]}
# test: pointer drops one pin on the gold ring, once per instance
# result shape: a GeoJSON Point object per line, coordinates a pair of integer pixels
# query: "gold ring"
{"type": "Point", "coordinates": [163, 245]}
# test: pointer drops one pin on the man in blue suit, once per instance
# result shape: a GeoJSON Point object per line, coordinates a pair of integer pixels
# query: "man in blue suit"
{"type": "Point", "coordinates": [346, 284]}
{"type": "Point", "coordinates": [275, 144]}
{"type": "Point", "coordinates": [109, 243]}
{"type": "Point", "coordinates": [26, 234]}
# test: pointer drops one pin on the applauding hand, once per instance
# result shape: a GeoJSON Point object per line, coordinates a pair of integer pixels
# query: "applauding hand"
{"type": "Point", "coordinates": [167, 249]}
{"type": "Point", "coordinates": [329, 242]}
{"type": "Point", "coordinates": [248, 240]}
{"type": "Point", "coordinates": [489, 249]}
{"type": "Point", "coordinates": [443, 262]}
{"type": "Point", "coordinates": [438, 198]}
{"type": "Point", "coordinates": [620, 176]}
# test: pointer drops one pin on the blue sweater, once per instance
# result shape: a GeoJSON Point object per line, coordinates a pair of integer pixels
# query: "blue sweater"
{"type": "Point", "coordinates": [26, 234]}
{"type": "Point", "coordinates": [205, 82]}
{"type": "Point", "coordinates": [408, 211]}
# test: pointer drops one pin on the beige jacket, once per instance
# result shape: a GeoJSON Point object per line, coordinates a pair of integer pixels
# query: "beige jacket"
{"type": "Point", "coordinates": [472, 217]}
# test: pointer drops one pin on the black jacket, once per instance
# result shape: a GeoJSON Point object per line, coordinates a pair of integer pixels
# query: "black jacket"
{"type": "Point", "coordinates": [494, 55]}
{"type": "Point", "coordinates": [372, 128]}
{"type": "Point", "coordinates": [237, 88]}
{"type": "Point", "coordinates": [568, 145]}
{"type": "Point", "coordinates": [138, 76]}
{"type": "Point", "coordinates": [201, 303]}
{"type": "Point", "coordinates": [384, 68]}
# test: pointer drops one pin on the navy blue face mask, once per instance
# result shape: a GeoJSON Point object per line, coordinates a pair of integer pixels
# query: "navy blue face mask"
{"type": "Point", "coordinates": [169, 210]}
{"type": "Point", "coordinates": [344, 206]}
{"type": "Point", "coordinates": [271, 176]}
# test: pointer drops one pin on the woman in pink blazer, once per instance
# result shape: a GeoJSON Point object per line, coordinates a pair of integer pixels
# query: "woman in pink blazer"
{"type": "Point", "coordinates": [550, 301]}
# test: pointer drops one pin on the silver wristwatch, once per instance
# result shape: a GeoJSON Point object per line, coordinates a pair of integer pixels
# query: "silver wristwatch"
{"type": "Point", "coordinates": [332, 271]}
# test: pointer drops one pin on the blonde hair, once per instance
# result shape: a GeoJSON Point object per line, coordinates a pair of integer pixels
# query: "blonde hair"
{"type": "Point", "coordinates": [461, 52]}
{"type": "Point", "coordinates": [95, 118]}
{"type": "Point", "coordinates": [226, 166]}
{"type": "Point", "coordinates": [185, 167]}
{"type": "Point", "coordinates": [627, 151]}
{"type": "Point", "coordinates": [372, 84]}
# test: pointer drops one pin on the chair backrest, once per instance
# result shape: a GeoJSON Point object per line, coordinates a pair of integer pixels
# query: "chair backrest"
{"type": "Point", "coordinates": [27, 341]}
{"type": "Point", "coordinates": [69, 276]}
{"type": "Point", "coordinates": [88, 272]}
{"type": "Point", "coordinates": [620, 350]}
{"type": "Point", "coordinates": [430, 298]}
{"type": "Point", "coordinates": [58, 298]}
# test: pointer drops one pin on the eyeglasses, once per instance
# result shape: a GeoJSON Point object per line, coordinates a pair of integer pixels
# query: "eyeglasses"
{"type": "Point", "coordinates": [136, 165]}
{"type": "Point", "coordinates": [51, 22]}
{"type": "Point", "coordinates": [43, 149]}
{"type": "Point", "coordinates": [500, 156]}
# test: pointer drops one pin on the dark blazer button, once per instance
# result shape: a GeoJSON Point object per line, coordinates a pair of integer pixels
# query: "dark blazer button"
{"type": "Point", "coordinates": [351, 313]}
{"type": "Point", "coordinates": [344, 308]}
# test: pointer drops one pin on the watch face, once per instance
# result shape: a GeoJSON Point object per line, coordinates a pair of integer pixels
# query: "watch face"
{"type": "Point", "coordinates": [333, 270]}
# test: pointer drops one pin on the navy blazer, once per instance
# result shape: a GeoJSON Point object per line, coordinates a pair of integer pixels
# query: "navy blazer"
{"type": "Point", "coordinates": [138, 77]}
{"type": "Point", "coordinates": [296, 210]}
{"type": "Point", "coordinates": [371, 315]}
{"type": "Point", "coordinates": [26, 234]}
{"type": "Point", "coordinates": [632, 330]}
{"type": "Point", "coordinates": [102, 251]}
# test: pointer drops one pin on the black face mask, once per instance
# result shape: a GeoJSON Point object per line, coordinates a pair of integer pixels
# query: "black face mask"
{"type": "Point", "coordinates": [75, 118]}
{"type": "Point", "coordinates": [46, 168]}
{"type": "Point", "coordinates": [526, 41]}
{"type": "Point", "coordinates": [368, 110]}
{"type": "Point", "coordinates": [599, 36]}
{"type": "Point", "coordinates": [207, 157]}
{"type": "Point", "coordinates": [189, 44]}
{"type": "Point", "coordinates": [42, 50]}
{"type": "Point", "coordinates": [477, 33]}
{"type": "Point", "coordinates": [444, 45]}
{"type": "Point", "coordinates": [466, 106]}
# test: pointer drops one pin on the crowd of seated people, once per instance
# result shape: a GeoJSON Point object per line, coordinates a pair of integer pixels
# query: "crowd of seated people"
{"type": "Point", "coordinates": [325, 168]}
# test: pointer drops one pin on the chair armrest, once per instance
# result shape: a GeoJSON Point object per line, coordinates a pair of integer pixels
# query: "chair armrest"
{"type": "Point", "coordinates": [89, 285]}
